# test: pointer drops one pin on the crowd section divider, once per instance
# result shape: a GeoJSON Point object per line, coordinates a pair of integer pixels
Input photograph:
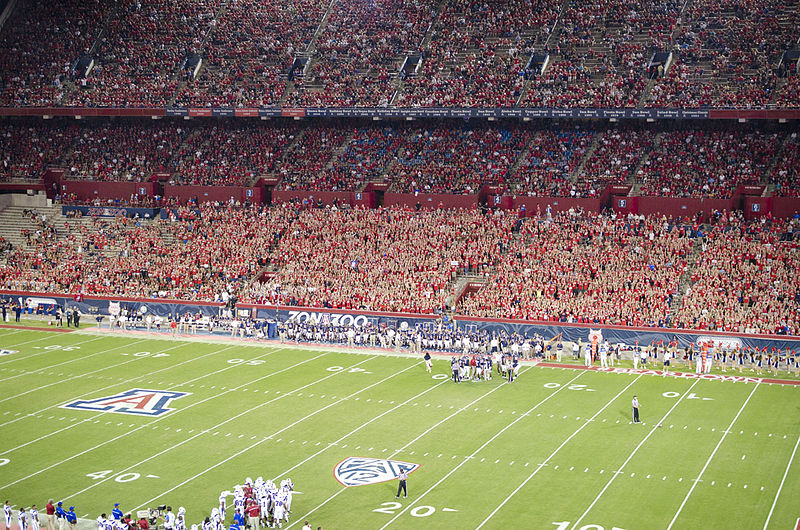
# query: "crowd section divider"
{"type": "Point", "coordinates": [415, 112]}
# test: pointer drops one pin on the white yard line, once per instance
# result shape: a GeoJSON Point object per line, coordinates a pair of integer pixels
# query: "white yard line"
{"type": "Point", "coordinates": [722, 439]}
{"type": "Point", "coordinates": [633, 453]}
{"type": "Point", "coordinates": [44, 350]}
{"type": "Point", "coordinates": [237, 416]}
{"type": "Point", "coordinates": [554, 453]}
{"type": "Point", "coordinates": [79, 376]}
{"type": "Point", "coordinates": [479, 449]}
{"type": "Point", "coordinates": [778, 493]}
{"type": "Point", "coordinates": [128, 433]}
{"type": "Point", "coordinates": [429, 429]}
{"type": "Point", "coordinates": [259, 442]}
{"type": "Point", "coordinates": [379, 416]}
{"type": "Point", "coordinates": [51, 366]}
{"type": "Point", "coordinates": [132, 380]}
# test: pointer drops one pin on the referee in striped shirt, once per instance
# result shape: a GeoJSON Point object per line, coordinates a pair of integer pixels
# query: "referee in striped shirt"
{"type": "Point", "coordinates": [402, 477]}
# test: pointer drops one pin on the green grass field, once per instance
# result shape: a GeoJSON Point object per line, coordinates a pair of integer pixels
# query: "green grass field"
{"type": "Point", "coordinates": [555, 449]}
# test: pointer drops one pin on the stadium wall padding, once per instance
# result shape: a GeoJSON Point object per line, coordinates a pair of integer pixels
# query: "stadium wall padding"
{"type": "Point", "coordinates": [93, 305]}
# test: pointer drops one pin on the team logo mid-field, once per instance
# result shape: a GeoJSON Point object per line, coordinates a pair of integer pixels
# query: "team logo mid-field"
{"type": "Point", "coordinates": [138, 401]}
{"type": "Point", "coordinates": [360, 471]}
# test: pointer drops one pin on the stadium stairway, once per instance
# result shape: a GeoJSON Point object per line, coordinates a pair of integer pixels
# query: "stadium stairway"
{"type": "Point", "coordinates": [683, 282]}
{"type": "Point", "coordinates": [12, 222]}
{"type": "Point", "coordinates": [586, 157]}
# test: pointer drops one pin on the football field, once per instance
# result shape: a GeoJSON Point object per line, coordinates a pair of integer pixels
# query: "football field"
{"type": "Point", "coordinates": [96, 418]}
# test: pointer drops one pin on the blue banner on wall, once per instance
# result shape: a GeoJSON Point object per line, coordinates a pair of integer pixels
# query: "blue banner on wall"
{"type": "Point", "coordinates": [630, 336]}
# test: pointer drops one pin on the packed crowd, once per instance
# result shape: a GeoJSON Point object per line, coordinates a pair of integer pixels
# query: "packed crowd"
{"type": "Point", "coordinates": [305, 166]}
{"type": "Point", "coordinates": [745, 279]}
{"type": "Point", "coordinates": [230, 154]}
{"type": "Point", "coordinates": [477, 53]}
{"type": "Point", "coordinates": [473, 54]}
{"type": "Point", "coordinates": [384, 260]}
{"type": "Point", "coordinates": [27, 149]}
{"type": "Point", "coordinates": [601, 53]}
{"type": "Point", "coordinates": [458, 161]}
{"type": "Point", "coordinates": [441, 157]}
{"type": "Point", "coordinates": [358, 51]}
{"type": "Point", "coordinates": [727, 55]}
{"type": "Point", "coordinates": [549, 163]}
{"type": "Point", "coordinates": [247, 57]}
{"type": "Point", "coordinates": [141, 50]}
{"type": "Point", "coordinates": [40, 43]}
{"type": "Point", "coordinates": [587, 268]}
{"type": "Point", "coordinates": [569, 267]}
{"type": "Point", "coordinates": [194, 259]}
{"type": "Point", "coordinates": [785, 174]}
{"type": "Point", "coordinates": [123, 151]}
{"type": "Point", "coordinates": [707, 162]}
{"type": "Point", "coordinates": [365, 158]}
{"type": "Point", "coordinates": [618, 152]}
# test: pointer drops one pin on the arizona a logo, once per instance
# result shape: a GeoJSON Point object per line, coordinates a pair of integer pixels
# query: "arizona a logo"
{"type": "Point", "coordinates": [137, 401]}
{"type": "Point", "coordinates": [360, 471]}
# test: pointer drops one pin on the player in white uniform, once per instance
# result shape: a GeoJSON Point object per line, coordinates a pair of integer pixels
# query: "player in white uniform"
{"type": "Point", "coordinates": [34, 517]}
{"type": "Point", "coordinates": [604, 355]}
{"type": "Point", "coordinates": [222, 499]}
{"type": "Point", "coordinates": [289, 488]}
{"type": "Point", "coordinates": [8, 513]}
{"type": "Point", "coordinates": [22, 519]}
{"type": "Point", "coordinates": [180, 521]}
{"type": "Point", "coordinates": [101, 522]}
{"type": "Point", "coordinates": [280, 511]}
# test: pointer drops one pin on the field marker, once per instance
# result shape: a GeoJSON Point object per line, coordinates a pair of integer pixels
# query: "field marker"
{"type": "Point", "coordinates": [47, 336]}
{"type": "Point", "coordinates": [486, 443]}
{"type": "Point", "coordinates": [429, 429]}
{"type": "Point", "coordinates": [633, 453]}
{"type": "Point", "coordinates": [103, 413]}
{"type": "Point", "coordinates": [170, 416]}
{"type": "Point", "coordinates": [40, 387]}
{"type": "Point", "coordinates": [50, 367]}
{"type": "Point", "coordinates": [295, 423]}
{"type": "Point", "coordinates": [722, 439]}
{"type": "Point", "coordinates": [780, 487]}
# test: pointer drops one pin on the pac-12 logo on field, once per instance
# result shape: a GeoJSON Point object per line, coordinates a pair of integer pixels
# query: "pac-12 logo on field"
{"type": "Point", "coordinates": [137, 401]}
{"type": "Point", "coordinates": [360, 471]}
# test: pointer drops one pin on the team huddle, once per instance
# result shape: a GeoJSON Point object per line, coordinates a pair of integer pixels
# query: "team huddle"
{"type": "Point", "coordinates": [255, 504]}
{"type": "Point", "coordinates": [479, 367]}
{"type": "Point", "coordinates": [262, 501]}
